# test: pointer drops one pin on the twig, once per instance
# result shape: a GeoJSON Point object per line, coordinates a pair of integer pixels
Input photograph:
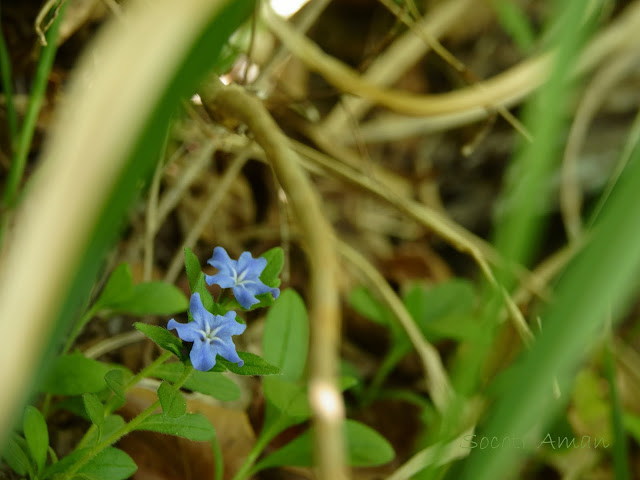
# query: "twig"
{"type": "Point", "coordinates": [391, 64]}
{"type": "Point", "coordinates": [437, 47]}
{"type": "Point", "coordinates": [306, 18]}
{"type": "Point", "coordinates": [503, 89]}
{"type": "Point", "coordinates": [151, 225]}
{"type": "Point", "coordinates": [217, 193]}
{"type": "Point", "coordinates": [325, 398]}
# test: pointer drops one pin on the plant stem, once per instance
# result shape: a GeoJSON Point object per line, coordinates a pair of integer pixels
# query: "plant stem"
{"type": "Point", "coordinates": [125, 429]}
{"type": "Point", "coordinates": [113, 401]}
{"type": "Point", "coordinates": [263, 440]}
{"type": "Point", "coordinates": [35, 103]}
{"type": "Point", "coordinates": [77, 329]}
{"type": "Point", "coordinates": [391, 359]}
{"type": "Point", "coordinates": [217, 456]}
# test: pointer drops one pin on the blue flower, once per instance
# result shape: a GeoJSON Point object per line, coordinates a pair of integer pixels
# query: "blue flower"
{"type": "Point", "coordinates": [242, 275]}
{"type": "Point", "coordinates": [210, 334]}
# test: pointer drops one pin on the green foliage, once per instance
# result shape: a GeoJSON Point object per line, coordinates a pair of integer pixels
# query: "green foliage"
{"type": "Point", "coordinates": [115, 381]}
{"type": "Point", "coordinates": [16, 456]}
{"type": "Point", "coordinates": [110, 464]}
{"type": "Point", "coordinates": [36, 434]}
{"type": "Point", "coordinates": [74, 374]}
{"type": "Point", "coordinates": [192, 426]}
{"type": "Point", "coordinates": [365, 448]}
{"type": "Point", "coordinates": [95, 410]}
{"type": "Point", "coordinates": [151, 298]}
{"type": "Point", "coordinates": [516, 23]}
{"type": "Point", "coordinates": [172, 401]}
{"type": "Point", "coordinates": [196, 280]}
{"type": "Point", "coordinates": [163, 338]}
{"type": "Point", "coordinates": [289, 398]}
{"type": "Point", "coordinates": [285, 339]}
{"type": "Point", "coordinates": [444, 310]}
{"type": "Point", "coordinates": [209, 383]}
{"type": "Point", "coordinates": [253, 365]}
{"type": "Point", "coordinates": [275, 261]}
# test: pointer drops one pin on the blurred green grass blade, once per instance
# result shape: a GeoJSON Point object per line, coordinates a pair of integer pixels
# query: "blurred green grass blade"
{"type": "Point", "coordinates": [619, 448]}
{"type": "Point", "coordinates": [601, 278]}
{"type": "Point", "coordinates": [109, 136]}
{"type": "Point", "coordinates": [38, 91]}
{"type": "Point", "coordinates": [7, 88]}
{"type": "Point", "coordinates": [515, 22]}
{"type": "Point", "coordinates": [529, 177]}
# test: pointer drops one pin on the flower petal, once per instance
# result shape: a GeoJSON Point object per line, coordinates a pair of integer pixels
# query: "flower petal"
{"type": "Point", "coordinates": [227, 350]}
{"type": "Point", "coordinates": [244, 296]}
{"type": "Point", "coordinates": [252, 267]}
{"type": "Point", "coordinates": [189, 332]}
{"type": "Point", "coordinates": [227, 325]}
{"type": "Point", "coordinates": [261, 288]}
{"type": "Point", "coordinates": [220, 278]}
{"type": "Point", "coordinates": [201, 315]}
{"type": "Point", "coordinates": [222, 261]}
{"type": "Point", "coordinates": [202, 356]}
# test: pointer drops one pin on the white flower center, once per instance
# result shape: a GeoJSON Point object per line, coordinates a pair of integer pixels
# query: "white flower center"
{"type": "Point", "coordinates": [239, 279]}
{"type": "Point", "coordinates": [209, 335]}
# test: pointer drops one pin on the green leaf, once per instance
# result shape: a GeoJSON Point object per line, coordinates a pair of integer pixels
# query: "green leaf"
{"type": "Point", "coordinates": [444, 310]}
{"type": "Point", "coordinates": [153, 298]}
{"type": "Point", "coordinates": [192, 426]}
{"type": "Point", "coordinates": [119, 287]}
{"type": "Point", "coordinates": [275, 262]}
{"type": "Point", "coordinates": [289, 398]}
{"type": "Point", "coordinates": [115, 381]}
{"type": "Point", "coordinates": [209, 383]}
{"type": "Point", "coordinates": [192, 266]}
{"type": "Point", "coordinates": [172, 401]}
{"type": "Point", "coordinates": [516, 23]}
{"type": "Point", "coordinates": [150, 298]}
{"type": "Point", "coordinates": [196, 280]}
{"type": "Point", "coordinates": [631, 423]}
{"type": "Point", "coordinates": [162, 337]}
{"type": "Point", "coordinates": [37, 435]}
{"type": "Point", "coordinates": [110, 464]}
{"type": "Point", "coordinates": [74, 374]}
{"type": "Point", "coordinates": [15, 454]}
{"type": "Point", "coordinates": [363, 302]}
{"type": "Point", "coordinates": [253, 365]}
{"type": "Point", "coordinates": [365, 448]}
{"type": "Point", "coordinates": [94, 409]}
{"type": "Point", "coordinates": [112, 423]}
{"type": "Point", "coordinates": [286, 335]}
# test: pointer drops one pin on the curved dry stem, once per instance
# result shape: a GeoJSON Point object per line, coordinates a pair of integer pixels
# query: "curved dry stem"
{"type": "Point", "coordinates": [438, 383]}
{"type": "Point", "coordinates": [593, 97]}
{"type": "Point", "coordinates": [504, 89]}
{"type": "Point", "coordinates": [325, 398]}
{"type": "Point", "coordinates": [450, 58]}
{"type": "Point", "coordinates": [456, 235]}
{"type": "Point", "coordinates": [391, 64]}
{"type": "Point", "coordinates": [304, 21]}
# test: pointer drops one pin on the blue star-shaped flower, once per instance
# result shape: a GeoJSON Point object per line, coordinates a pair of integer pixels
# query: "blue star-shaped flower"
{"type": "Point", "coordinates": [210, 334]}
{"type": "Point", "coordinates": [242, 275]}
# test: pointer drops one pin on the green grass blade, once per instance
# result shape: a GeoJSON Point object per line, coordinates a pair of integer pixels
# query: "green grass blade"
{"type": "Point", "coordinates": [36, 99]}
{"type": "Point", "coordinates": [619, 450]}
{"type": "Point", "coordinates": [7, 87]}
{"type": "Point", "coordinates": [600, 278]}
{"type": "Point", "coordinates": [109, 136]}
